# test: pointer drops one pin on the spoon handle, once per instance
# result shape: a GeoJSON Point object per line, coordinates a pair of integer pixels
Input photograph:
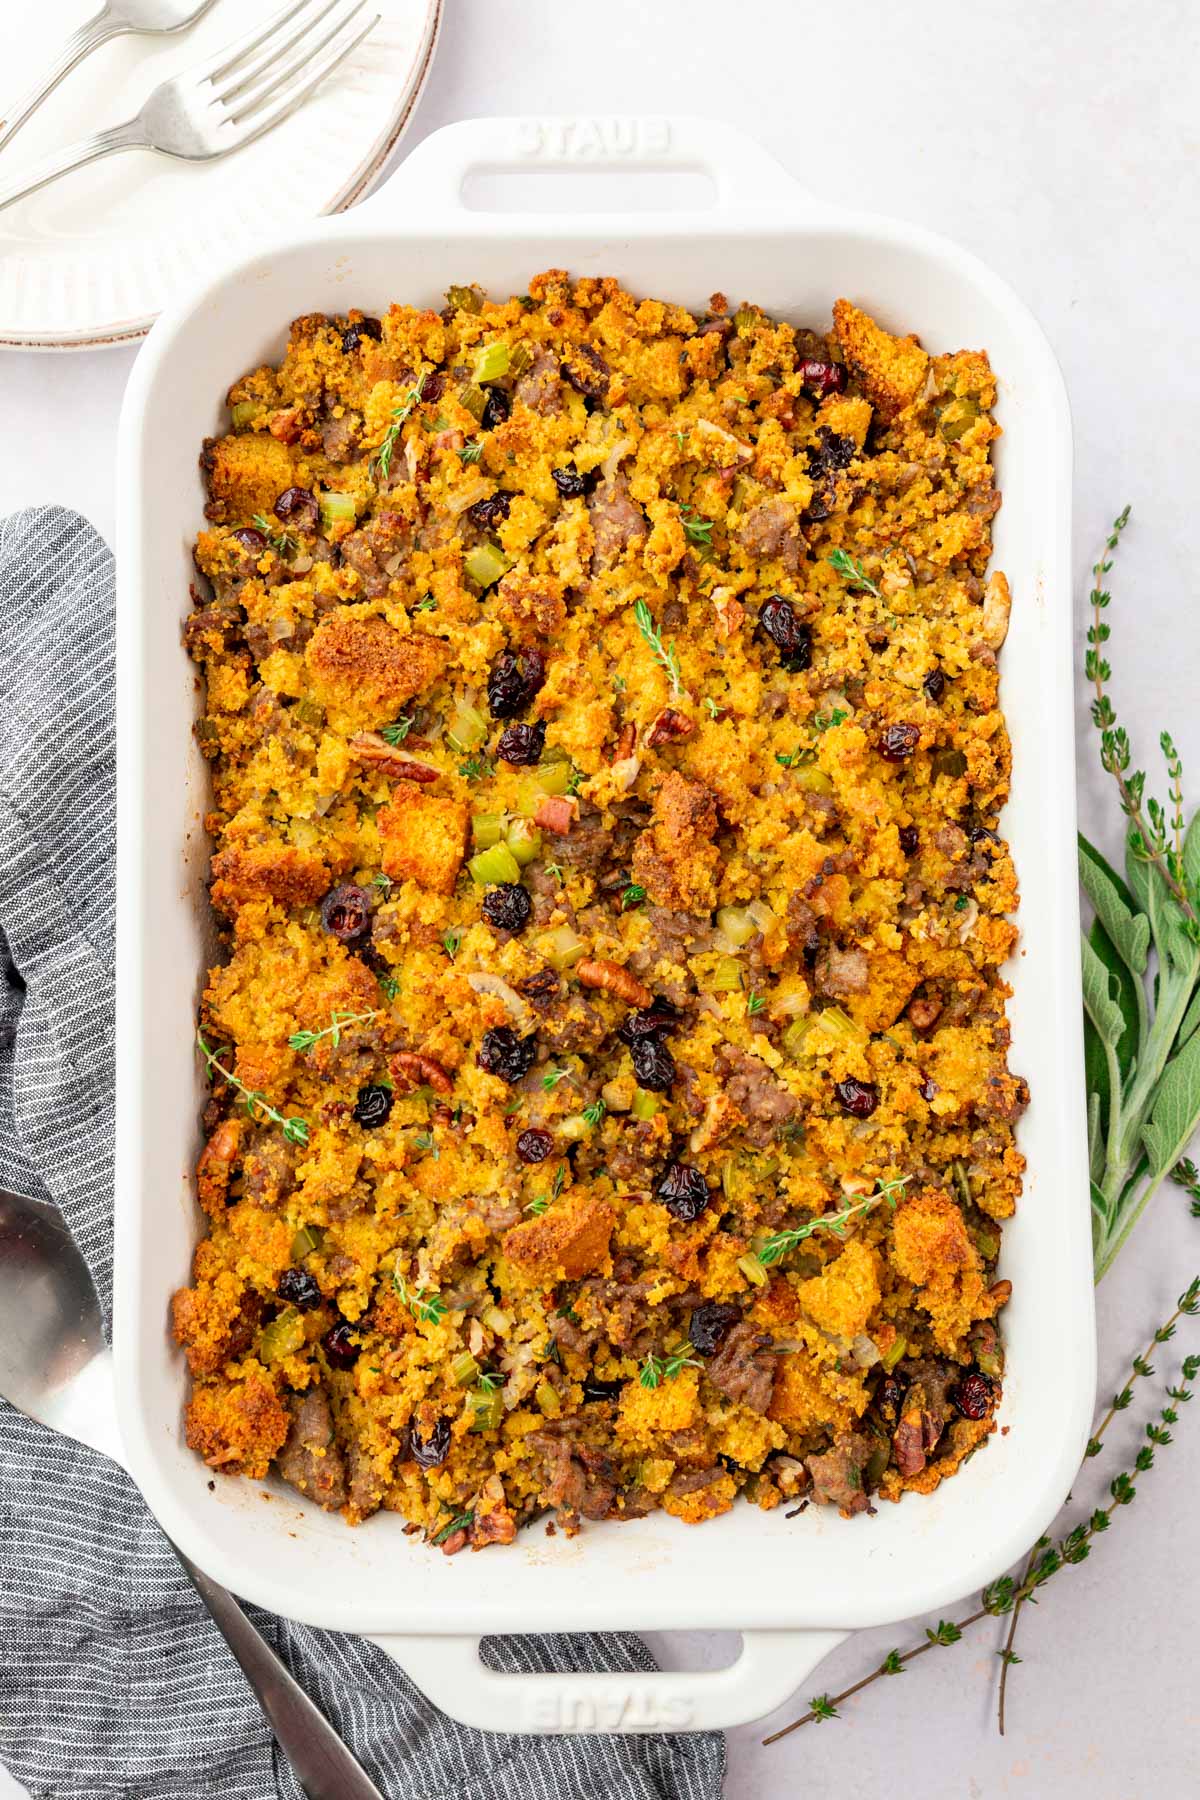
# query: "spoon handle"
{"type": "Point", "coordinates": [323, 1766]}
{"type": "Point", "coordinates": [81, 43]}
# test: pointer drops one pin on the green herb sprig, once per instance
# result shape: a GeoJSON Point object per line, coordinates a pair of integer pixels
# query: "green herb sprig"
{"type": "Point", "coordinates": [396, 733]}
{"type": "Point", "coordinates": [295, 1130]}
{"type": "Point", "coordinates": [632, 895]}
{"type": "Point", "coordinates": [852, 572]}
{"type": "Point", "coordinates": [778, 1246]}
{"type": "Point", "coordinates": [338, 1022]}
{"type": "Point", "coordinates": [459, 1522]}
{"type": "Point", "coordinates": [665, 654]}
{"type": "Point", "coordinates": [391, 437]}
{"type": "Point", "coordinates": [699, 530]}
{"type": "Point", "coordinates": [1002, 1598]}
{"type": "Point", "coordinates": [471, 453]}
{"type": "Point", "coordinates": [282, 542]}
{"type": "Point", "coordinates": [657, 1369]}
{"type": "Point", "coordinates": [429, 1308]}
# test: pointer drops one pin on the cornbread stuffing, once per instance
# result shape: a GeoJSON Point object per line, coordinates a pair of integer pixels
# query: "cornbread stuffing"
{"type": "Point", "coordinates": [609, 1101]}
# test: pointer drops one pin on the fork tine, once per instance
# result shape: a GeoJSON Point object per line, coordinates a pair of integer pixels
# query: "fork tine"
{"type": "Point", "coordinates": [231, 54]}
{"type": "Point", "coordinates": [316, 72]}
{"type": "Point", "coordinates": [281, 76]}
{"type": "Point", "coordinates": [274, 47]}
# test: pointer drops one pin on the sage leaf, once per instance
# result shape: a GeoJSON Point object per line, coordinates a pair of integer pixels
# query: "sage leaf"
{"type": "Point", "coordinates": [1168, 922]}
{"type": "Point", "coordinates": [1128, 930]}
{"type": "Point", "coordinates": [1103, 1007]}
{"type": "Point", "coordinates": [1176, 1110]}
{"type": "Point", "coordinates": [1095, 1130]}
{"type": "Point", "coordinates": [1127, 994]}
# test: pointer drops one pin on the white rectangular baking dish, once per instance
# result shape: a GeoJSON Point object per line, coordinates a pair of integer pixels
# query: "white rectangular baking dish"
{"type": "Point", "coordinates": [792, 1586]}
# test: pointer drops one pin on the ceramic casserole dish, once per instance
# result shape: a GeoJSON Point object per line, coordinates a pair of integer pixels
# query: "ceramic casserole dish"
{"type": "Point", "coordinates": [793, 1587]}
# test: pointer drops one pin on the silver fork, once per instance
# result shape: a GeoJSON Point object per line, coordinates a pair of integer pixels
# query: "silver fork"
{"type": "Point", "coordinates": [227, 102]}
{"type": "Point", "coordinates": [154, 17]}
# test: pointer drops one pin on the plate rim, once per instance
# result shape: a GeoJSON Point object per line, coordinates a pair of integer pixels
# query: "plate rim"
{"type": "Point", "coordinates": [122, 333]}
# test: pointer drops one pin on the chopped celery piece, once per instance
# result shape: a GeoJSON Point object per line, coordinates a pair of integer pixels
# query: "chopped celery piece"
{"type": "Point", "coordinates": [746, 317]}
{"type": "Point", "coordinates": [282, 1337]}
{"type": "Point", "coordinates": [991, 1362]}
{"type": "Point", "coordinates": [464, 299]}
{"type": "Point", "coordinates": [307, 712]}
{"type": "Point", "coordinates": [549, 1404]}
{"type": "Point", "coordinates": [486, 1407]}
{"type": "Point", "coordinates": [988, 1244]}
{"type": "Point", "coordinates": [561, 947]}
{"type": "Point", "coordinates": [485, 563]}
{"type": "Point", "coordinates": [892, 1356]}
{"type": "Point", "coordinates": [812, 779]}
{"type": "Point", "coordinates": [491, 362]}
{"type": "Point", "coordinates": [840, 1025]}
{"type": "Point", "coordinates": [948, 762]}
{"type": "Point", "coordinates": [497, 1321]}
{"type": "Point", "coordinates": [962, 1182]}
{"type": "Point", "coordinates": [727, 976]}
{"type": "Point", "coordinates": [464, 1370]}
{"type": "Point", "coordinates": [792, 1041]}
{"type": "Point", "coordinates": [645, 1106]}
{"type": "Point", "coordinates": [467, 728]}
{"type": "Point", "coordinates": [520, 356]}
{"type": "Point", "coordinates": [731, 1180]}
{"type": "Point", "coordinates": [337, 509]}
{"type": "Point", "coordinates": [958, 417]}
{"type": "Point", "coordinates": [555, 777]}
{"type": "Point", "coordinates": [487, 829]}
{"type": "Point", "coordinates": [523, 839]}
{"type": "Point", "coordinates": [877, 1462]}
{"type": "Point", "coordinates": [494, 865]}
{"type": "Point", "coordinates": [244, 412]}
{"type": "Point", "coordinates": [306, 1240]}
{"type": "Point", "coordinates": [753, 1270]}
{"type": "Point", "coordinates": [474, 399]}
{"type": "Point", "coordinates": [737, 924]}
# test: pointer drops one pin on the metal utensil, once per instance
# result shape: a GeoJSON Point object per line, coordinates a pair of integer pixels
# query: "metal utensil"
{"type": "Point", "coordinates": [154, 17]}
{"type": "Point", "coordinates": [246, 89]}
{"type": "Point", "coordinates": [54, 1367]}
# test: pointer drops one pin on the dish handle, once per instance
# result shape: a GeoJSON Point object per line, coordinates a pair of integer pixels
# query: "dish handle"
{"type": "Point", "coordinates": [771, 1666]}
{"type": "Point", "coordinates": [432, 178]}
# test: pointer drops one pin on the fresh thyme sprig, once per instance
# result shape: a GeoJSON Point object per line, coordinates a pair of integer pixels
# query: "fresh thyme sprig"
{"type": "Point", "coordinates": [665, 654]}
{"type": "Point", "coordinates": [459, 1522]}
{"type": "Point", "coordinates": [429, 1308]}
{"type": "Point", "coordinates": [632, 895]}
{"type": "Point", "coordinates": [295, 1130]}
{"type": "Point", "coordinates": [1141, 1043]}
{"type": "Point", "coordinates": [778, 1246]}
{"type": "Point", "coordinates": [1000, 1598]}
{"type": "Point", "coordinates": [282, 542]}
{"type": "Point", "coordinates": [471, 453]}
{"type": "Point", "coordinates": [852, 572]}
{"type": "Point", "coordinates": [699, 529]}
{"type": "Point", "coordinates": [396, 734]}
{"type": "Point", "coordinates": [387, 447]}
{"type": "Point", "coordinates": [594, 1113]}
{"type": "Point", "coordinates": [657, 1369]}
{"type": "Point", "coordinates": [451, 940]}
{"type": "Point", "coordinates": [338, 1022]}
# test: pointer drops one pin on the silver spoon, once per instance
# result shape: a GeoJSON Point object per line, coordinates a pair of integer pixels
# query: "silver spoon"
{"type": "Point", "coordinates": [55, 1367]}
{"type": "Point", "coordinates": [113, 20]}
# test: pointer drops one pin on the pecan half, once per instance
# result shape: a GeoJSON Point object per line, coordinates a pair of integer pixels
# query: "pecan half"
{"type": "Point", "coordinates": [670, 727]}
{"type": "Point", "coordinates": [416, 1071]}
{"type": "Point", "coordinates": [923, 1011]}
{"type": "Point", "coordinates": [610, 976]}
{"type": "Point", "coordinates": [369, 747]}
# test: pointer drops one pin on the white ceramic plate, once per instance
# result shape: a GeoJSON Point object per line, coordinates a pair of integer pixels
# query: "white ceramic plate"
{"type": "Point", "coordinates": [93, 258]}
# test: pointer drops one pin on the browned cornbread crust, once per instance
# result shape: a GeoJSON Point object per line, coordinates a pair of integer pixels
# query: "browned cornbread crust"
{"type": "Point", "coordinates": [767, 794]}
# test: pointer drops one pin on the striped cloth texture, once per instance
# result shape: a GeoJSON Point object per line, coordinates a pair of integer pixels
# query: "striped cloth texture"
{"type": "Point", "coordinates": [113, 1681]}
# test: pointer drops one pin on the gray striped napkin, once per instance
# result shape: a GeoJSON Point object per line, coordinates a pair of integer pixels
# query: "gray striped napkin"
{"type": "Point", "coordinates": [112, 1680]}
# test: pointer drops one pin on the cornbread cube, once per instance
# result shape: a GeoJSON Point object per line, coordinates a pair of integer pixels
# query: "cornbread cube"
{"type": "Point", "coordinates": [424, 837]}
{"type": "Point", "coordinates": [366, 667]}
{"type": "Point", "coordinates": [893, 369]}
{"type": "Point", "coordinates": [569, 1241]}
{"type": "Point", "coordinates": [245, 475]}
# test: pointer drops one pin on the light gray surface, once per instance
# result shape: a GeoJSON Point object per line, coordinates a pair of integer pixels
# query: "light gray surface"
{"type": "Point", "coordinates": [1060, 144]}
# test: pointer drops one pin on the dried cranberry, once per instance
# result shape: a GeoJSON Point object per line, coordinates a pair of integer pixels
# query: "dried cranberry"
{"type": "Point", "coordinates": [502, 1052]}
{"type": "Point", "coordinates": [829, 453]}
{"type": "Point", "coordinates": [249, 539]}
{"type": "Point", "coordinates": [649, 1021]}
{"type": "Point", "coordinates": [858, 1097]}
{"type": "Point", "coordinates": [534, 1145]}
{"type": "Point", "coordinates": [513, 682]}
{"type": "Point", "coordinates": [934, 685]}
{"type": "Point", "coordinates": [979, 834]}
{"type": "Point", "coordinates": [595, 1389]}
{"type": "Point", "coordinates": [346, 912]}
{"type": "Point", "coordinates": [540, 987]}
{"type": "Point", "coordinates": [973, 1396]}
{"type": "Point", "coordinates": [507, 906]}
{"type": "Point", "coordinates": [340, 1348]}
{"type": "Point", "coordinates": [889, 1398]}
{"type": "Point", "coordinates": [709, 1323]}
{"type": "Point", "coordinates": [927, 1090]}
{"type": "Point", "coordinates": [373, 1106]}
{"type": "Point", "coordinates": [587, 372]}
{"type": "Point", "coordinates": [299, 1289]}
{"type": "Point", "coordinates": [898, 742]}
{"type": "Point", "coordinates": [486, 513]}
{"type": "Point", "coordinates": [430, 1452]}
{"type": "Point", "coordinates": [522, 744]}
{"type": "Point", "coordinates": [354, 334]}
{"type": "Point", "coordinates": [683, 1191]}
{"type": "Point", "coordinates": [571, 484]}
{"type": "Point", "coordinates": [496, 409]}
{"type": "Point", "coordinates": [653, 1064]}
{"type": "Point", "coordinates": [822, 378]}
{"type": "Point", "coordinates": [298, 506]}
{"type": "Point", "coordinates": [910, 839]}
{"type": "Point", "coordinates": [434, 385]}
{"type": "Point", "coordinates": [792, 639]}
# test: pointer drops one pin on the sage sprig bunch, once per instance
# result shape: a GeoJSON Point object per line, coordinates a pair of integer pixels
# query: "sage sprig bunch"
{"type": "Point", "coordinates": [1141, 971]}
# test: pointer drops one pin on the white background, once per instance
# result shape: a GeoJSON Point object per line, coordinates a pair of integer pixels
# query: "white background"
{"type": "Point", "coordinates": [1060, 143]}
